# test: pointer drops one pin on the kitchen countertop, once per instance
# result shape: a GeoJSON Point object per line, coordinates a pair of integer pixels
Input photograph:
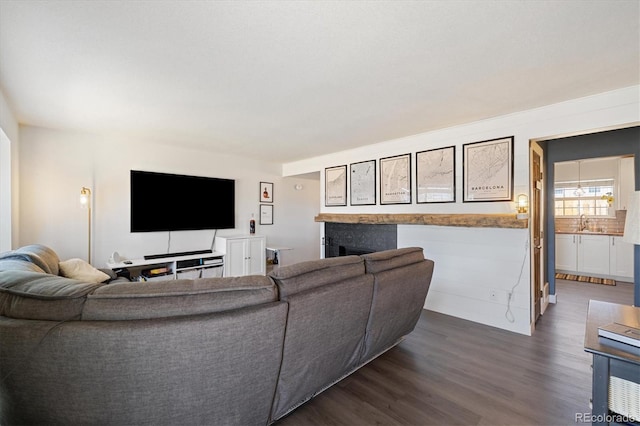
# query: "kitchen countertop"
{"type": "Point", "coordinates": [614, 234]}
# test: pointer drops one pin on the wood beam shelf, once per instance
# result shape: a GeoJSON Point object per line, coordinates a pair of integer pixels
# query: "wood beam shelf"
{"type": "Point", "coordinates": [464, 220]}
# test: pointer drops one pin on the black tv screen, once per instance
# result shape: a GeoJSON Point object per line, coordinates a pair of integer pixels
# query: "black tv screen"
{"type": "Point", "coordinates": [168, 202]}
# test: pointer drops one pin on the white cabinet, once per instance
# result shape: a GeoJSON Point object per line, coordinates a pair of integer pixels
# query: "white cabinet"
{"type": "Point", "coordinates": [566, 252]}
{"type": "Point", "coordinates": [621, 259]}
{"type": "Point", "coordinates": [244, 255]}
{"type": "Point", "coordinates": [593, 254]}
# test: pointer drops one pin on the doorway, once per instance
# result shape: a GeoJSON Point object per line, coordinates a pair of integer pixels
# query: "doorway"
{"type": "Point", "coordinates": [610, 143]}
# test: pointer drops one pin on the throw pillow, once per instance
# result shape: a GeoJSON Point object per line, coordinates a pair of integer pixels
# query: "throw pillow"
{"type": "Point", "coordinates": [78, 269]}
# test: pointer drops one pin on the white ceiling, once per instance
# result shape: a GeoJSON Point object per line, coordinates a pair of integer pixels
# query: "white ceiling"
{"type": "Point", "coordinates": [286, 80]}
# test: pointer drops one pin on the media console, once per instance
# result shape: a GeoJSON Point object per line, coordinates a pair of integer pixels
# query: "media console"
{"type": "Point", "coordinates": [184, 265]}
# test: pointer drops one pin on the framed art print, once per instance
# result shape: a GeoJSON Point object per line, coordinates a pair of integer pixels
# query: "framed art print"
{"type": "Point", "coordinates": [363, 183]}
{"type": "Point", "coordinates": [488, 170]}
{"type": "Point", "coordinates": [395, 179]}
{"type": "Point", "coordinates": [266, 214]}
{"type": "Point", "coordinates": [266, 192]}
{"type": "Point", "coordinates": [335, 186]}
{"type": "Point", "coordinates": [435, 175]}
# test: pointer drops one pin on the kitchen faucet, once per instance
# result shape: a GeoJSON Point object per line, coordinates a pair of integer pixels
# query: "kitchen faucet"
{"type": "Point", "coordinates": [583, 222]}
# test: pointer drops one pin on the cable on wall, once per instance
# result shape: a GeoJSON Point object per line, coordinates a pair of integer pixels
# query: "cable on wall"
{"type": "Point", "coordinates": [508, 314]}
{"type": "Point", "coordinates": [213, 240]}
{"type": "Point", "coordinates": [169, 243]}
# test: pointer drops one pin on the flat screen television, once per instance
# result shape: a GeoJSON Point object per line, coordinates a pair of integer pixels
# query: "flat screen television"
{"type": "Point", "coordinates": [169, 202]}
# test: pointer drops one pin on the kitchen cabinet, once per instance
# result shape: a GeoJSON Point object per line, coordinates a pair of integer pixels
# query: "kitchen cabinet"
{"type": "Point", "coordinates": [621, 259]}
{"type": "Point", "coordinates": [566, 253]}
{"type": "Point", "coordinates": [593, 254]}
{"type": "Point", "coordinates": [244, 255]}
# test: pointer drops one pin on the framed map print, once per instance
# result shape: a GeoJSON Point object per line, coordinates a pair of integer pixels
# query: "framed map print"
{"type": "Point", "coordinates": [435, 175]}
{"type": "Point", "coordinates": [395, 180]}
{"type": "Point", "coordinates": [488, 170]}
{"type": "Point", "coordinates": [363, 183]}
{"type": "Point", "coordinates": [335, 186]}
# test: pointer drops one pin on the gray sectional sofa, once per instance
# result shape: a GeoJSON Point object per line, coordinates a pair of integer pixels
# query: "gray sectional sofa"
{"type": "Point", "coordinates": [238, 351]}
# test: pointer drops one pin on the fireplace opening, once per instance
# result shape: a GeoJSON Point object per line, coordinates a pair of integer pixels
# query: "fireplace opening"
{"type": "Point", "coordinates": [350, 251]}
{"type": "Point", "coordinates": [346, 239]}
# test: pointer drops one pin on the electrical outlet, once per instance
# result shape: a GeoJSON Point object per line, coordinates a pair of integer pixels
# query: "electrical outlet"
{"type": "Point", "coordinates": [493, 295]}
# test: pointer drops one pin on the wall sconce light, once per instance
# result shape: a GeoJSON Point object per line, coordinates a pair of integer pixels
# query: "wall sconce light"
{"type": "Point", "coordinates": [298, 187]}
{"type": "Point", "coordinates": [523, 206]}
{"type": "Point", "coordinates": [85, 203]}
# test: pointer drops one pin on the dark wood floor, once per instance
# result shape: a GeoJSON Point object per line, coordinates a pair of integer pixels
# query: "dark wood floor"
{"type": "Point", "coordinates": [454, 372]}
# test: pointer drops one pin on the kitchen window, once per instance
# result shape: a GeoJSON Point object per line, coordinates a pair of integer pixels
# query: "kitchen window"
{"type": "Point", "coordinates": [593, 201]}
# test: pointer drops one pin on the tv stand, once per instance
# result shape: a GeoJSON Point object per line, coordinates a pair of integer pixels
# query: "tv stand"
{"type": "Point", "coordinates": [202, 264]}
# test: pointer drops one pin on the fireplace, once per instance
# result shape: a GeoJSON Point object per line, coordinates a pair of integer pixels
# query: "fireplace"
{"type": "Point", "coordinates": [345, 239]}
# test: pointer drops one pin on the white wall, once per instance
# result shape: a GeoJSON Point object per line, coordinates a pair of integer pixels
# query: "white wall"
{"type": "Point", "coordinates": [472, 262]}
{"type": "Point", "coordinates": [8, 176]}
{"type": "Point", "coordinates": [56, 164]}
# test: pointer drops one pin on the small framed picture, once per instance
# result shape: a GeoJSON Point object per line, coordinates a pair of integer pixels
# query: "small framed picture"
{"type": "Point", "coordinates": [266, 214]}
{"type": "Point", "coordinates": [266, 192]}
{"type": "Point", "coordinates": [395, 179]}
{"type": "Point", "coordinates": [335, 186]}
{"type": "Point", "coordinates": [363, 183]}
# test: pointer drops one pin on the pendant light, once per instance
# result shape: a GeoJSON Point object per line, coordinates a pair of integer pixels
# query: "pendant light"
{"type": "Point", "coordinates": [579, 192]}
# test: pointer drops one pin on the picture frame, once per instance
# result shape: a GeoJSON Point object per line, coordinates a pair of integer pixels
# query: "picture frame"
{"type": "Point", "coordinates": [395, 179]}
{"type": "Point", "coordinates": [362, 183]}
{"type": "Point", "coordinates": [266, 192]}
{"type": "Point", "coordinates": [436, 175]}
{"type": "Point", "coordinates": [266, 214]}
{"type": "Point", "coordinates": [488, 170]}
{"type": "Point", "coordinates": [335, 186]}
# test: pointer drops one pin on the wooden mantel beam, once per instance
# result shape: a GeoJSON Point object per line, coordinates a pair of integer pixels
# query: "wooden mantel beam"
{"type": "Point", "coordinates": [464, 220]}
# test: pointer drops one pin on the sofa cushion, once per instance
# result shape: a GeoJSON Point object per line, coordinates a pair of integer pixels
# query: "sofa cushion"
{"type": "Point", "coordinates": [39, 296]}
{"type": "Point", "coordinates": [170, 298]}
{"type": "Point", "coordinates": [40, 255]}
{"type": "Point", "coordinates": [78, 269]}
{"type": "Point", "coordinates": [324, 339]}
{"type": "Point", "coordinates": [391, 259]}
{"type": "Point", "coordinates": [304, 276]}
{"type": "Point", "coordinates": [18, 263]}
{"type": "Point", "coordinates": [401, 282]}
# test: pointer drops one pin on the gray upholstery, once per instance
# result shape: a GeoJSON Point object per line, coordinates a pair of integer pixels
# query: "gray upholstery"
{"type": "Point", "coordinates": [223, 351]}
{"type": "Point", "coordinates": [215, 369]}
{"type": "Point", "coordinates": [42, 256]}
{"type": "Point", "coordinates": [324, 338]}
{"type": "Point", "coordinates": [40, 296]}
{"type": "Point", "coordinates": [124, 301]}
{"type": "Point", "coordinates": [307, 275]}
{"type": "Point", "coordinates": [401, 282]}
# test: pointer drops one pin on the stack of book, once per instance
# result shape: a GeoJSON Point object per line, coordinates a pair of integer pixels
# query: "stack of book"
{"type": "Point", "coordinates": [621, 333]}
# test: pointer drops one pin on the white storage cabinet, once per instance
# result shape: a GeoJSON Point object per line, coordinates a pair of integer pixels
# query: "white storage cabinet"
{"type": "Point", "coordinates": [594, 255]}
{"type": "Point", "coordinates": [621, 259]}
{"type": "Point", "coordinates": [243, 255]}
{"type": "Point", "coordinates": [566, 253]}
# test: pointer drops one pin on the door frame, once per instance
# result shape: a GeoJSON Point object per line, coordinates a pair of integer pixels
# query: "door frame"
{"type": "Point", "coordinates": [549, 228]}
{"type": "Point", "coordinates": [540, 289]}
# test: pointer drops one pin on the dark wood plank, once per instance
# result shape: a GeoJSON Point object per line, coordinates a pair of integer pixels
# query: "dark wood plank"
{"type": "Point", "coordinates": [455, 372]}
